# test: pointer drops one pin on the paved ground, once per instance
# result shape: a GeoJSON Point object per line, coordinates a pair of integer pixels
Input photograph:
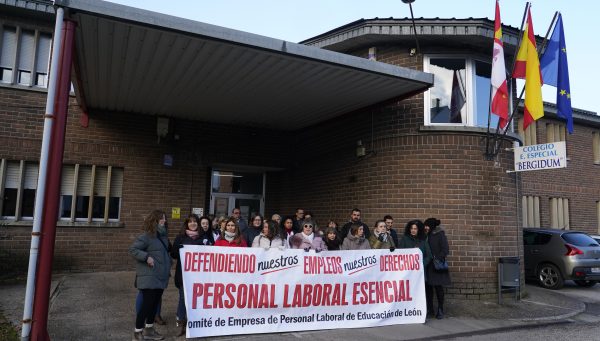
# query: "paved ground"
{"type": "Point", "coordinates": [100, 306]}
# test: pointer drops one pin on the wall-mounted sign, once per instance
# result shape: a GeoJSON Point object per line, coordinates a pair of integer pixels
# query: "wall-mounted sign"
{"type": "Point", "coordinates": [175, 212]}
{"type": "Point", "coordinates": [541, 156]}
{"type": "Point", "coordinates": [199, 211]}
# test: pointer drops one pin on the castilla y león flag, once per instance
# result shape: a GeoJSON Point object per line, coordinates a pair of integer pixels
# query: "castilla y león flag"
{"type": "Point", "coordinates": [527, 67]}
{"type": "Point", "coordinates": [499, 87]}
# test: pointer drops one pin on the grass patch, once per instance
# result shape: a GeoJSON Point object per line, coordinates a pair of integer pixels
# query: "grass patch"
{"type": "Point", "coordinates": [8, 332]}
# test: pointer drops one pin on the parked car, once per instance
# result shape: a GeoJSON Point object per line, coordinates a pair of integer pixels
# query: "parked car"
{"type": "Point", "coordinates": [553, 256]}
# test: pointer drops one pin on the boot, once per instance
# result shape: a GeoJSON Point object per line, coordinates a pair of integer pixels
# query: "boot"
{"type": "Point", "coordinates": [150, 334]}
{"type": "Point", "coordinates": [440, 314]}
{"type": "Point", "coordinates": [137, 336]}
{"type": "Point", "coordinates": [181, 325]}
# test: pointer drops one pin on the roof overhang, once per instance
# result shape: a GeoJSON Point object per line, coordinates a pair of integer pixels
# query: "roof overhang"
{"type": "Point", "coordinates": [133, 60]}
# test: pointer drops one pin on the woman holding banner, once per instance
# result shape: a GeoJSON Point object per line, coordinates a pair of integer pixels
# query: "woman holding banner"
{"type": "Point", "coordinates": [307, 239]}
{"type": "Point", "coordinates": [151, 251]}
{"type": "Point", "coordinates": [231, 236]}
{"type": "Point", "coordinates": [381, 238]}
{"type": "Point", "coordinates": [356, 238]}
{"type": "Point", "coordinates": [268, 237]}
{"type": "Point", "coordinates": [436, 279]}
{"type": "Point", "coordinates": [189, 235]}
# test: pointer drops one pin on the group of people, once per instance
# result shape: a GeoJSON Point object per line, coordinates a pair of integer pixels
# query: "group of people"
{"type": "Point", "coordinates": [154, 252]}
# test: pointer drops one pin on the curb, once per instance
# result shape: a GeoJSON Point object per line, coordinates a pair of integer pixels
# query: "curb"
{"type": "Point", "coordinates": [577, 311]}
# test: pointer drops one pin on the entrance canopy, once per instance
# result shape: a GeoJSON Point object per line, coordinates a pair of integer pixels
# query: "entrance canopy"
{"type": "Point", "coordinates": [136, 61]}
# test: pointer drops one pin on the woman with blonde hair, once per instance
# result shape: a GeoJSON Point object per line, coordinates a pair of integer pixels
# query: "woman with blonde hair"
{"type": "Point", "coordinates": [153, 268]}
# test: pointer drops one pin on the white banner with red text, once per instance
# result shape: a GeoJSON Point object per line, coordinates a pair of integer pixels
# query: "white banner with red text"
{"type": "Point", "coordinates": [231, 290]}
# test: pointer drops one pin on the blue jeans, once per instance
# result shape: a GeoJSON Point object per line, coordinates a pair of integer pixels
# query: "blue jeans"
{"type": "Point", "coordinates": [138, 304]}
{"type": "Point", "coordinates": [181, 312]}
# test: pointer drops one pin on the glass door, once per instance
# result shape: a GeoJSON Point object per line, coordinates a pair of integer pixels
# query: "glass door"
{"type": "Point", "coordinates": [231, 189]}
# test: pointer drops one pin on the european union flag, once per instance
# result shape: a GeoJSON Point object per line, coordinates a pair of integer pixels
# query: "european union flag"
{"type": "Point", "coordinates": [555, 72]}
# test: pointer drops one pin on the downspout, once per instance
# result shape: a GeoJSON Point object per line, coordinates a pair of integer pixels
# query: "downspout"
{"type": "Point", "coordinates": [41, 182]}
{"type": "Point", "coordinates": [41, 299]}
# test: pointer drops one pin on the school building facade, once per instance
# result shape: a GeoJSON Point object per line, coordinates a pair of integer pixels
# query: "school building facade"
{"type": "Point", "coordinates": [173, 114]}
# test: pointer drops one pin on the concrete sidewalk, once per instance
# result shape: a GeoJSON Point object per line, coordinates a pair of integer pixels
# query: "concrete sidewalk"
{"type": "Point", "coordinates": [100, 306]}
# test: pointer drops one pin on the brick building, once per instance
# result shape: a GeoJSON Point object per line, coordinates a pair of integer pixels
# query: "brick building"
{"type": "Point", "coordinates": [270, 126]}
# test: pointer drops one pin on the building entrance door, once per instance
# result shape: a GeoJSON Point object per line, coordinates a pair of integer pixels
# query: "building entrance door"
{"type": "Point", "coordinates": [231, 189]}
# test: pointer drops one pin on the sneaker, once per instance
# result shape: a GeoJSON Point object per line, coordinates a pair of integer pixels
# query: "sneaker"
{"type": "Point", "coordinates": [137, 336]}
{"type": "Point", "coordinates": [151, 334]}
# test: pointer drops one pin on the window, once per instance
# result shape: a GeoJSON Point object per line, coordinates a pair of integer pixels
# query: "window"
{"type": "Point", "coordinates": [555, 132]}
{"type": "Point", "coordinates": [87, 193]}
{"type": "Point", "coordinates": [530, 211]}
{"type": "Point", "coordinates": [91, 193]}
{"type": "Point", "coordinates": [596, 146]}
{"type": "Point", "coordinates": [528, 136]}
{"type": "Point", "coordinates": [24, 56]}
{"type": "Point", "coordinates": [536, 238]}
{"type": "Point", "coordinates": [18, 184]}
{"type": "Point", "coordinates": [461, 92]}
{"type": "Point", "coordinates": [559, 213]}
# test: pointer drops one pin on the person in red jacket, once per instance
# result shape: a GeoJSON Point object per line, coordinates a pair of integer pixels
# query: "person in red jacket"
{"type": "Point", "coordinates": [232, 235]}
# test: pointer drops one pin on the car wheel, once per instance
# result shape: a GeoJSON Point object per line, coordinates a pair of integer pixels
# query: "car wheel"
{"type": "Point", "coordinates": [585, 284]}
{"type": "Point", "coordinates": [549, 277]}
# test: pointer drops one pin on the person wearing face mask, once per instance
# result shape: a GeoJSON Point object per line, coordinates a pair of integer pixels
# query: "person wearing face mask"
{"type": "Point", "coordinates": [189, 235]}
{"type": "Point", "coordinates": [206, 232]}
{"type": "Point", "coordinates": [355, 240]}
{"type": "Point", "coordinates": [381, 238]}
{"type": "Point", "coordinates": [232, 236]}
{"type": "Point", "coordinates": [153, 269]}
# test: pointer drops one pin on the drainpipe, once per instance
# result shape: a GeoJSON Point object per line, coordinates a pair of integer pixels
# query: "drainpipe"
{"type": "Point", "coordinates": [41, 183]}
{"type": "Point", "coordinates": [41, 298]}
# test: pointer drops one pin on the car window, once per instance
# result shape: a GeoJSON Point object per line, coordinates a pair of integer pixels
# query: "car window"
{"type": "Point", "coordinates": [536, 238]}
{"type": "Point", "coordinates": [579, 239]}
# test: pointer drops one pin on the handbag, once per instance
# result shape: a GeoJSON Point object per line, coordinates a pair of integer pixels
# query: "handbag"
{"type": "Point", "coordinates": [440, 264]}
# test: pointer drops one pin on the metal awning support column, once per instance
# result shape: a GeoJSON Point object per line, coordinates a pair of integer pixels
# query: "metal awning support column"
{"type": "Point", "coordinates": [51, 198]}
{"type": "Point", "coordinates": [41, 187]}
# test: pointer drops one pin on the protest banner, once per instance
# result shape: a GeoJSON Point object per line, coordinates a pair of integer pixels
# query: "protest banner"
{"type": "Point", "coordinates": [231, 290]}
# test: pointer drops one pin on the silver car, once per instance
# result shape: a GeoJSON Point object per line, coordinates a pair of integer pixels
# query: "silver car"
{"type": "Point", "coordinates": [553, 256]}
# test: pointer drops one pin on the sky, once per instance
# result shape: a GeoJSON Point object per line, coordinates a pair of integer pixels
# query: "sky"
{"type": "Point", "coordinates": [297, 20]}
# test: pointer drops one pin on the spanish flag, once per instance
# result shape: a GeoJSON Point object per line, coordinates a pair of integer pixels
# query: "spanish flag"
{"type": "Point", "coordinates": [527, 67]}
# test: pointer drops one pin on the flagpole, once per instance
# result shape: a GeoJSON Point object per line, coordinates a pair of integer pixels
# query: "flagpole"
{"type": "Point", "coordinates": [539, 51]}
{"type": "Point", "coordinates": [495, 149]}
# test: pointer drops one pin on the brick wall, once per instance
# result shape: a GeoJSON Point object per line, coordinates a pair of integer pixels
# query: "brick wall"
{"type": "Point", "coordinates": [128, 141]}
{"type": "Point", "coordinates": [579, 182]}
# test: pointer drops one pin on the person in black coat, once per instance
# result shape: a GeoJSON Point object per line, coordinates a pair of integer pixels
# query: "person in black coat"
{"type": "Point", "coordinates": [436, 279]}
{"type": "Point", "coordinates": [331, 239]}
{"type": "Point", "coordinates": [191, 234]}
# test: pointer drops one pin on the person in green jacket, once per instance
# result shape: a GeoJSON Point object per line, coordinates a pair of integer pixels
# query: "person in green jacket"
{"type": "Point", "coordinates": [415, 237]}
{"type": "Point", "coordinates": [381, 238]}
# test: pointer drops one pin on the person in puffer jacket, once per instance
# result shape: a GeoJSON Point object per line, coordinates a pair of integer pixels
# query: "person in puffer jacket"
{"type": "Point", "coordinates": [307, 239]}
{"type": "Point", "coordinates": [153, 269]}
{"type": "Point", "coordinates": [355, 240]}
{"type": "Point", "coordinates": [268, 238]}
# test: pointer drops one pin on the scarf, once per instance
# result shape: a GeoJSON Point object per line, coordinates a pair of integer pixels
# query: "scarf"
{"type": "Point", "coordinates": [310, 237]}
{"type": "Point", "coordinates": [229, 236]}
{"type": "Point", "coordinates": [192, 234]}
{"type": "Point", "coordinates": [384, 234]}
{"type": "Point", "coordinates": [161, 229]}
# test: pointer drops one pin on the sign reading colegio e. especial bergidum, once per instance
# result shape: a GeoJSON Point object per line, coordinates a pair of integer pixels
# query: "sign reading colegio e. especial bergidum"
{"type": "Point", "coordinates": [231, 290]}
{"type": "Point", "coordinates": [541, 156]}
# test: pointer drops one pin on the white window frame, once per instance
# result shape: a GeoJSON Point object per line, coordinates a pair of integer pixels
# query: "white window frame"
{"type": "Point", "coordinates": [25, 180]}
{"type": "Point", "coordinates": [37, 32]}
{"type": "Point", "coordinates": [469, 84]}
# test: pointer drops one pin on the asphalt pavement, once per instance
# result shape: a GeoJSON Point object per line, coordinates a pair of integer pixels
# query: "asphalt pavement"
{"type": "Point", "coordinates": [100, 306]}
